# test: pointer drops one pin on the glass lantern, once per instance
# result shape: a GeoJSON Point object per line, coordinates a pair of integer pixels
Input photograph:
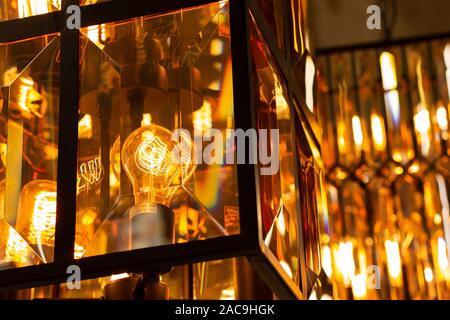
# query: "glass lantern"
{"type": "Point", "coordinates": [132, 149]}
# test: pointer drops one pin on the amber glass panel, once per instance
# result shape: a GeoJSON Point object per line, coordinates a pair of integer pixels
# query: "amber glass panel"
{"type": "Point", "coordinates": [29, 150]}
{"type": "Point", "coordinates": [310, 176]}
{"type": "Point", "coordinates": [279, 199]}
{"type": "Point", "coordinates": [141, 80]}
{"type": "Point", "coordinates": [17, 9]}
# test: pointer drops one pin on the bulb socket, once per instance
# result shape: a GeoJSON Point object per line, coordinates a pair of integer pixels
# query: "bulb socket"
{"type": "Point", "coordinates": [120, 289]}
{"type": "Point", "coordinates": [152, 224]}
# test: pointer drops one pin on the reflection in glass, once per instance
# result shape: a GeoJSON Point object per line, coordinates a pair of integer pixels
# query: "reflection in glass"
{"type": "Point", "coordinates": [141, 80]}
{"type": "Point", "coordinates": [29, 150]}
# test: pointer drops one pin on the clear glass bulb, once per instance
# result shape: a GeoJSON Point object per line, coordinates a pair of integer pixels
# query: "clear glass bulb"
{"type": "Point", "coordinates": [36, 217]}
{"type": "Point", "coordinates": [147, 158]}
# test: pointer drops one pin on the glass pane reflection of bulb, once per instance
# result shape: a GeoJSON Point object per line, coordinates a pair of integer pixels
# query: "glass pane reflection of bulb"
{"type": "Point", "coordinates": [37, 216]}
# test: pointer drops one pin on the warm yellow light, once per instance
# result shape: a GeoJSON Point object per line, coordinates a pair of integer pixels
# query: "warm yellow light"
{"type": "Point", "coordinates": [90, 173]}
{"type": "Point", "coordinates": [78, 251]}
{"type": "Point", "coordinates": [388, 71]}
{"type": "Point", "coordinates": [89, 217]}
{"type": "Point", "coordinates": [441, 117]}
{"type": "Point", "coordinates": [119, 276]}
{"type": "Point", "coordinates": [414, 168]}
{"type": "Point", "coordinates": [56, 3]}
{"type": "Point", "coordinates": [398, 170]}
{"type": "Point", "coordinates": [286, 268]}
{"type": "Point", "coordinates": [44, 216]}
{"type": "Point", "coordinates": [377, 132]}
{"type": "Point", "coordinates": [447, 65]}
{"type": "Point", "coordinates": [357, 131]}
{"type": "Point", "coordinates": [281, 224]}
{"type": "Point", "coordinates": [217, 47]}
{"type": "Point", "coordinates": [422, 121]}
{"type": "Point", "coordinates": [85, 127]}
{"type": "Point", "coordinates": [97, 34]}
{"type": "Point", "coordinates": [153, 162]}
{"type": "Point", "coordinates": [442, 255]}
{"type": "Point", "coordinates": [28, 97]}
{"type": "Point", "coordinates": [345, 262]}
{"type": "Point", "coordinates": [437, 219]}
{"type": "Point", "coordinates": [36, 217]}
{"type": "Point", "coordinates": [227, 294]}
{"type": "Point", "coordinates": [202, 119]}
{"type": "Point", "coordinates": [393, 262]}
{"type": "Point", "coordinates": [327, 261]}
{"type": "Point", "coordinates": [27, 8]}
{"type": "Point", "coordinates": [146, 120]}
{"type": "Point", "coordinates": [428, 273]}
{"type": "Point", "coordinates": [281, 103]}
{"type": "Point", "coordinates": [3, 150]}
{"type": "Point", "coordinates": [17, 249]}
{"type": "Point", "coordinates": [310, 76]}
{"type": "Point", "coordinates": [10, 75]}
{"type": "Point", "coordinates": [359, 286]}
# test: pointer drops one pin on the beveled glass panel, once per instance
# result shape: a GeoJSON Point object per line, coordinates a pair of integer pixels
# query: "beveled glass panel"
{"type": "Point", "coordinates": [278, 191]}
{"type": "Point", "coordinates": [142, 181]}
{"type": "Point", "coordinates": [29, 152]}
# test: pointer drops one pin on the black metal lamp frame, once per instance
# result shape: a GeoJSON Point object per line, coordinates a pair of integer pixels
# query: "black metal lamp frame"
{"type": "Point", "coordinates": [248, 243]}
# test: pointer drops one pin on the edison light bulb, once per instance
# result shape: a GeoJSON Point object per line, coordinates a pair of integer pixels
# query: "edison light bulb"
{"type": "Point", "coordinates": [36, 217]}
{"type": "Point", "coordinates": [147, 157]}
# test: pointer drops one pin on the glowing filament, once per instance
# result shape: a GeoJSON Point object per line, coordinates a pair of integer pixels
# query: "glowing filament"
{"type": "Point", "coordinates": [43, 222]}
{"type": "Point", "coordinates": [377, 132]}
{"type": "Point", "coordinates": [393, 262]}
{"type": "Point", "coordinates": [388, 71]}
{"type": "Point", "coordinates": [153, 156]}
{"type": "Point", "coordinates": [357, 131]}
{"type": "Point", "coordinates": [89, 173]}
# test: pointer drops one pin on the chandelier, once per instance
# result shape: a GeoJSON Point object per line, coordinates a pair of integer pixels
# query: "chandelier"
{"type": "Point", "coordinates": [385, 114]}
